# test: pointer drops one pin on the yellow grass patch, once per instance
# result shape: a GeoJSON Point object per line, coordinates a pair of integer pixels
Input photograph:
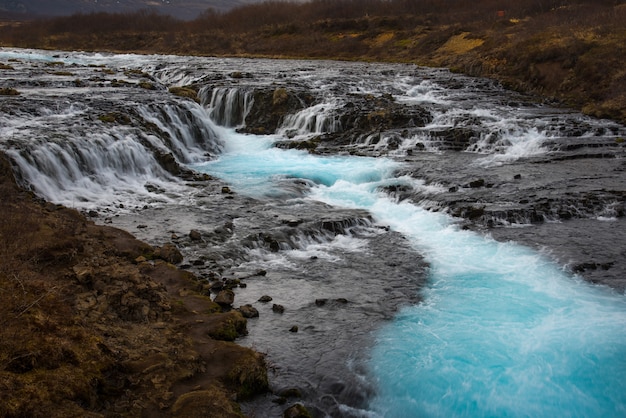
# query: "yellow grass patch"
{"type": "Point", "coordinates": [459, 44]}
{"type": "Point", "coordinates": [383, 38]}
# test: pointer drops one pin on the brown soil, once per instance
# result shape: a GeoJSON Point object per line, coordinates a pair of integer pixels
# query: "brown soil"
{"type": "Point", "coordinates": [93, 324]}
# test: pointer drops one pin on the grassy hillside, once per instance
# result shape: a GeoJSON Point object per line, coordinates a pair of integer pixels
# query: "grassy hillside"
{"type": "Point", "coordinates": [572, 51]}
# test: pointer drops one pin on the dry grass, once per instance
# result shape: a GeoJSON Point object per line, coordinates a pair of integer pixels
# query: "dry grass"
{"type": "Point", "coordinates": [87, 331]}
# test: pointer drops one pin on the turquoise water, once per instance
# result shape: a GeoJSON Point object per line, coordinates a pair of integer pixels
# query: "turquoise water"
{"type": "Point", "coordinates": [501, 332]}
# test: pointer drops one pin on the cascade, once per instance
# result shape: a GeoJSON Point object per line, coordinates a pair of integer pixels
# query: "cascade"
{"type": "Point", "coordinates": [189, 133]}
{"type": "Point", "coordinates": [317, 119]}
{"type": "Point", "coordinates": [228, 106]}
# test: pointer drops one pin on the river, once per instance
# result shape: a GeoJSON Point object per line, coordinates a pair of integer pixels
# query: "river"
{"type": "Point", "coordinates": [441, 246]}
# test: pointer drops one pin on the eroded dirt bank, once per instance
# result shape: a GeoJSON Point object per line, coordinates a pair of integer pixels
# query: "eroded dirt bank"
{"type": "Point", "coordinates": [97, 323]}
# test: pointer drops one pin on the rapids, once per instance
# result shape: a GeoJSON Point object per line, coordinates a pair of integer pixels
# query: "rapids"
{"type": "Point", "coordinates": [447, 248]}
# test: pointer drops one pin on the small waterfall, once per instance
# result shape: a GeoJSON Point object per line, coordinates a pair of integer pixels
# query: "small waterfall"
{"type": "Point", "coordinates": [189, 133]}
{"type": "Point", "coordinates": [228, 106]}
{"type": "Point", "coordinates": [317, 119]}
{"type": "Point", "coordinates": [85, 156]}
{"type": "Point", "coordinates": [91, 173]}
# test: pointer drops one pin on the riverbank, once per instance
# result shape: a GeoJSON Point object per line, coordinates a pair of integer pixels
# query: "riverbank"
{"type": "Point", "coordinates": [569, 53]}
{"type": "Point", "coordinates": [96, 323]}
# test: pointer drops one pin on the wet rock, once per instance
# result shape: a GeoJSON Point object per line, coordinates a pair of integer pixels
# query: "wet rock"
{"type": "Point", "coordinates": [320, 302]}
{"type": "Point", "coordinates": [265, 299]}
{"type": "Point", "coordinates": [290, 393]}
{"type": "Point", "coordinates": [293, 328]}
{"type": "Point", "coordinates": [195, 235]}
{"type": "Point", "coordinates": [169, 253]}
{"type": "Point", "coordinates": [297, 411]}
{"type": "Point", "coordinates": [217, 286]}
{"type": "Point", "coordinates": [231, 283]}
{"type": "Point", "coordinates": [278, 308]}
{"type": "Point", "coordinates": [270, 106]}
{"type": "Point", "coordinates": [249, 311]}
{"type": "Point", "coordinates": [476, 183]}
{"type": "Point", "coordinates": [168, 162]}
{"type": "Point", "coordinates": [225, 298]}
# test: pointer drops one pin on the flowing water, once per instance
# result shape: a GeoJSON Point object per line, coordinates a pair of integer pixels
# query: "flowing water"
{"type": "Point", "coordinates": [448, 249]}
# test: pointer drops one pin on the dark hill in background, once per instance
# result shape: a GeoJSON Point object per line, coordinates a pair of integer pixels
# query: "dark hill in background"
{"type": "Point", "coordinates": [572, 51]}
{"type": "Point", "coordinates": [181, 9]}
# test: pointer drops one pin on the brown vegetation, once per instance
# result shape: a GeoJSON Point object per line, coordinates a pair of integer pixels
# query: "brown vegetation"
{"type": "Point", "coordinates": [89, 327]}
{"type": "Point", "coordinates": [569, 50]}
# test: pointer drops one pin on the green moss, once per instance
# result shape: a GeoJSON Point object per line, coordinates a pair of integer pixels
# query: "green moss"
{"type": "Point", "coordinates": [250, 376]}
{"type": "Point", "coordinates": [147, 85]}
{"type": "Point", "coordinates": [115, 117]}
{"type": "Point", "coordinates": [9, 92]}
{"type": "Point", "coordinates": [227, 326]}
{"type": "Point", "coordinates": [185, 92]}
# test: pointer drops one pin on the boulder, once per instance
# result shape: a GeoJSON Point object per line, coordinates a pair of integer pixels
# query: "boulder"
{"type": "Point", "coordinates": [227, 326]}
{"type": "Point", "coordinates": [225, 298]}
{"type": "Point", "coordinates": [248, 311]}
{"type": "Point", "coordinates": [297, 411]}
{"type": "Point", "coordinates": [169, 253]}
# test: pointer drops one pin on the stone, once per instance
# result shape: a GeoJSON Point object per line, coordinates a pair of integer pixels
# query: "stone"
{"type": "Point", "coordinates": [293, 329]}
{"type": "Point", "coordinates": [265, 298]}
{"type": "Point", "coordinates": [169, 253]}
{"type": "Point", "coordinates": [278, 308]}
{"type": "Point", "coordinates": [297, 411]}
{"type": "Point", "coordinates": [249, 311]}
{"type": "Point", "coordinates": [225, 297]}
{"type": "Point", "coordinates": [195, 235]}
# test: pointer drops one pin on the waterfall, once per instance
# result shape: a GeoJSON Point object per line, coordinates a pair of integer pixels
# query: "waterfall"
{"type": "Point", "coordinates": [228, 106]}
{"type": "Point", "coordinates": [317, 119]}
{"type": "Point", "coordinates": [129, 157]}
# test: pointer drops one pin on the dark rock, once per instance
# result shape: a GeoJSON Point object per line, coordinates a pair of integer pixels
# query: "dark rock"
{"type": "Point", "coordinates": [217, 286]}
{"type": "Point", "coordinates": [249, 311]}
{"type": "Point", "coordinates": [321, 302]}
{"type": "Point", "coordinates": [195, 235]}
{"type": "Point", "coordinates": [290, 393]}
{"type": "Point", "coordinates": [226, 190]}
{"type": "Point", "coordinates": [225, 297]}
{"type": "Point", "coordinates": [297, 411]}
{"type": "Point", "coordinates": [169, 253]}
{"type": "Point", "coordinates": [265, 299]}
{"type": "Point", "coordinates": [169, 163]}
{"type": "Point", "coordinates": [231, 283]}
{"type": "Point", "coordinates": [278, 308]}
{"type": "Point", "coordinates": [293, 329]}
{"type": "Point", "coordinates": [476, 183]}
{"type": "Point", "coordinates": [271, 105]}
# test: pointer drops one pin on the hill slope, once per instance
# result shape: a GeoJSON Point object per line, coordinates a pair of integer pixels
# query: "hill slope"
{"type": "Point", "coordinates": [570, 51]}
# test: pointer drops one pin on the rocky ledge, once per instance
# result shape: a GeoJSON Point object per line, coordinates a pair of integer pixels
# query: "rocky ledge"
{"type": "Point", "coordinates": [96, 323]}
